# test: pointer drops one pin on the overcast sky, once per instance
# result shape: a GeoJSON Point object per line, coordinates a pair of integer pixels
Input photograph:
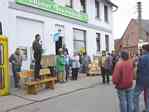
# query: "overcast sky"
{"type": "Point", "coordinates": [127, 10]}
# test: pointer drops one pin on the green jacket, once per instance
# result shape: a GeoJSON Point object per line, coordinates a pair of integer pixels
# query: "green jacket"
{"type": "Point", "coordinates": [60, 63]}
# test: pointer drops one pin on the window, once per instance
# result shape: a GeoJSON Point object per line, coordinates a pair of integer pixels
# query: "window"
{"type": "Point", "coordinates": [69, 3]}
{"type": "Point", "coordinates": [83, 4]}
{"type": "Point", "coordinates": [106, 13]}
{"type": "Point", "coordinates": [79, 39]}
{"type": "Point", "coordinates": [0, 28]}
{"type": "Point", "coordinates": [98, 41]}
{"type": "Point", "coordinates": [97, 8]}
{"type": "Point", "coordinates": [107, 42]}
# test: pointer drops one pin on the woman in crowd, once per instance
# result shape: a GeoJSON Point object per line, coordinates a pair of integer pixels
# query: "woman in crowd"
{"type": "Point", "coordinates": [60, 65]}
{"type": "Point", "coordinates": [75, 66]}
{"type": "Point", "coordinates": [67, 64]}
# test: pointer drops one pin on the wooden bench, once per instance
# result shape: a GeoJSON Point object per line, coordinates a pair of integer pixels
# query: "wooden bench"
{"type": "Point", "coordinates": [44, 73]}
{"type": "Point", "coordinates": [33, 85]}
{"type": "Point", "coordinates": [25, 74]}
{"type": "Point", "coordinates": [24, 77]}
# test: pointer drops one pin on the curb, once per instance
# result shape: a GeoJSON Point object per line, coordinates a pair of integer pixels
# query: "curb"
{"type": "Point", "coordinates": [49, 98]}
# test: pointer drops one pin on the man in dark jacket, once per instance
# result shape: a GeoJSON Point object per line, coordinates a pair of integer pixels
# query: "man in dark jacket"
{"type": "Point", "coordinates": [142, 80]}
{"type": "Point", "coordinates": [16, 61]}
{"type": "Point", "coordinates": [37, 48]}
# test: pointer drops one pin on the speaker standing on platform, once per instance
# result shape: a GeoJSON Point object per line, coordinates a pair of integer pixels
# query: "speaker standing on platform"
{"type": "Point", "coordinates": [37, 48]}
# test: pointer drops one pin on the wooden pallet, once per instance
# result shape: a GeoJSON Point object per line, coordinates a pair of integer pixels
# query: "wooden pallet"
{"type": "Point", "coordinates": [33, 86]}
{"type": "Point", "coordinates": [93, 73]}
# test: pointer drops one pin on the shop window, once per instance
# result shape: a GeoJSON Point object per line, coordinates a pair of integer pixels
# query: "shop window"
{"type": "Point", "coordinates": [106, 13]}
{"type": "Point", "coordinates": [107, 42]}
{"type": "Point", "coordinates": [83, 4]}
{"type": "Point", "coordinates": [98, 41]}
{"type": "Point", "coordinates": [0, 28]}
{"type": "Point", "coordinates": [79, 39]}
{"type": "Point", "coordinates": [97, 8]}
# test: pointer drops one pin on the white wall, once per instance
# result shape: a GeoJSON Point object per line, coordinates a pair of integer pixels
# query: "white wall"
{"type": "Point", "coordinates": [4, 16]}
{"type": "Point", "coordinates": [8, 17]}
{"type": "Point", "coordinates": [90, 6]}
{"type": "Point", "coordinates": [26, 31]}
{"type": "Point", "coordinates": [99, 22]}
{"type": "Point", "coordinates": [60, 2]}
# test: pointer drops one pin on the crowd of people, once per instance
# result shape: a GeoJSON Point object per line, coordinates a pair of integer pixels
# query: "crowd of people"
{"type": "Point", "coordinates": [65, 64]}
{"type": "Point", "coordinates": [125, 72]}
{"type": "Point", "coordinates": [123, 69]}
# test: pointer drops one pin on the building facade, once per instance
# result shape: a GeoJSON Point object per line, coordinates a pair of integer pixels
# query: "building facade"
{"type": "Point", "coordinates": [131, 40]}
{"type": "Point", "coordinates": [82, 24]}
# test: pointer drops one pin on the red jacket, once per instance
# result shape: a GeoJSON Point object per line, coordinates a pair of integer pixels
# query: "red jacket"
{"type": "Point", "coordinates": [123, 74]}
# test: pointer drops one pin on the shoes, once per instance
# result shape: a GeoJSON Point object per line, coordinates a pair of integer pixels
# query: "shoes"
{"type": "Point", "coordinates": [37, 79]}
{"type": "Point", "coordinates": [61, 82]}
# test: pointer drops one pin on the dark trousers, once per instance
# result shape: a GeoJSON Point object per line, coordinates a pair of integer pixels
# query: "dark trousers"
{"type": "Point", "coordinates": [105, 75]}
{"type": "Point", "coordinates": [75, 73]}
{"type": "Point", "coordinates": [15, 70]}
{"type": "Point", "coordinates": [145, 97]}
{"type": "Point", "coordinates": [67, 71]}
{"type": "Point", "coordinates": [37, 68]}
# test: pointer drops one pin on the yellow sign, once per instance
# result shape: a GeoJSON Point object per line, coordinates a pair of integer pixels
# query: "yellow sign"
{"type": "Point", "coordinates": [82, 50]}
{"type": "Point", "coordinates": [4, 74]}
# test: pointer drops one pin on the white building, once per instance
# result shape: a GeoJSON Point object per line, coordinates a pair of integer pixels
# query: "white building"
{"type": "Point", "coordinates": [83, 24]}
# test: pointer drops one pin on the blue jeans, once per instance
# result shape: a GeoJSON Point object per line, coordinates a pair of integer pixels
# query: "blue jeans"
{"type": "Point", "coordinates": [15, 70]}
{"type": "Point", "coordinates": [126, 100]}
{"type": "Point", "coordinates": [137, 91]}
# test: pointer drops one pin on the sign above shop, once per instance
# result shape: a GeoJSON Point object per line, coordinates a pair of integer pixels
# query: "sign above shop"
{"type": "Point", "coordinates": [51, 6]}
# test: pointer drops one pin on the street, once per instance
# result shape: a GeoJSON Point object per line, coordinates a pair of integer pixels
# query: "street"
{"type": "Point", "coordinates": [101, 98]}
{"type": "Point", "coordinates": [74, 55]}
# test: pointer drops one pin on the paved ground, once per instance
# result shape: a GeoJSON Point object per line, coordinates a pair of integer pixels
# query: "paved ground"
{"type": "Point", "coordinates": [98, 99]}
{"type": "Point", "coordinates": [19, 98]}
{"type": "Point", "coordinates": [8, 102]}
{"type": "Point", "coordinates": [85, 95]}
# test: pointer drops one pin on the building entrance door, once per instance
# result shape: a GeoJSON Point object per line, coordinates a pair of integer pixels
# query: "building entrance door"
{"type": "Point", "coordinates": [59, 44]}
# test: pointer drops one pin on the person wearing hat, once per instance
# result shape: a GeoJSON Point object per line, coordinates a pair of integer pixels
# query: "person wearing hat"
{"type": "Point", "coordinates": [60, 65]}
{"type": "Point", "coordinates": [142, 80]}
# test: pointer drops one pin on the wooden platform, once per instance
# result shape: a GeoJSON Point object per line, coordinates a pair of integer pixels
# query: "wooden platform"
{"type": "Point", "coordinates": [93, 73]}
{"type": "Point", "coordinates": [32, 86]}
